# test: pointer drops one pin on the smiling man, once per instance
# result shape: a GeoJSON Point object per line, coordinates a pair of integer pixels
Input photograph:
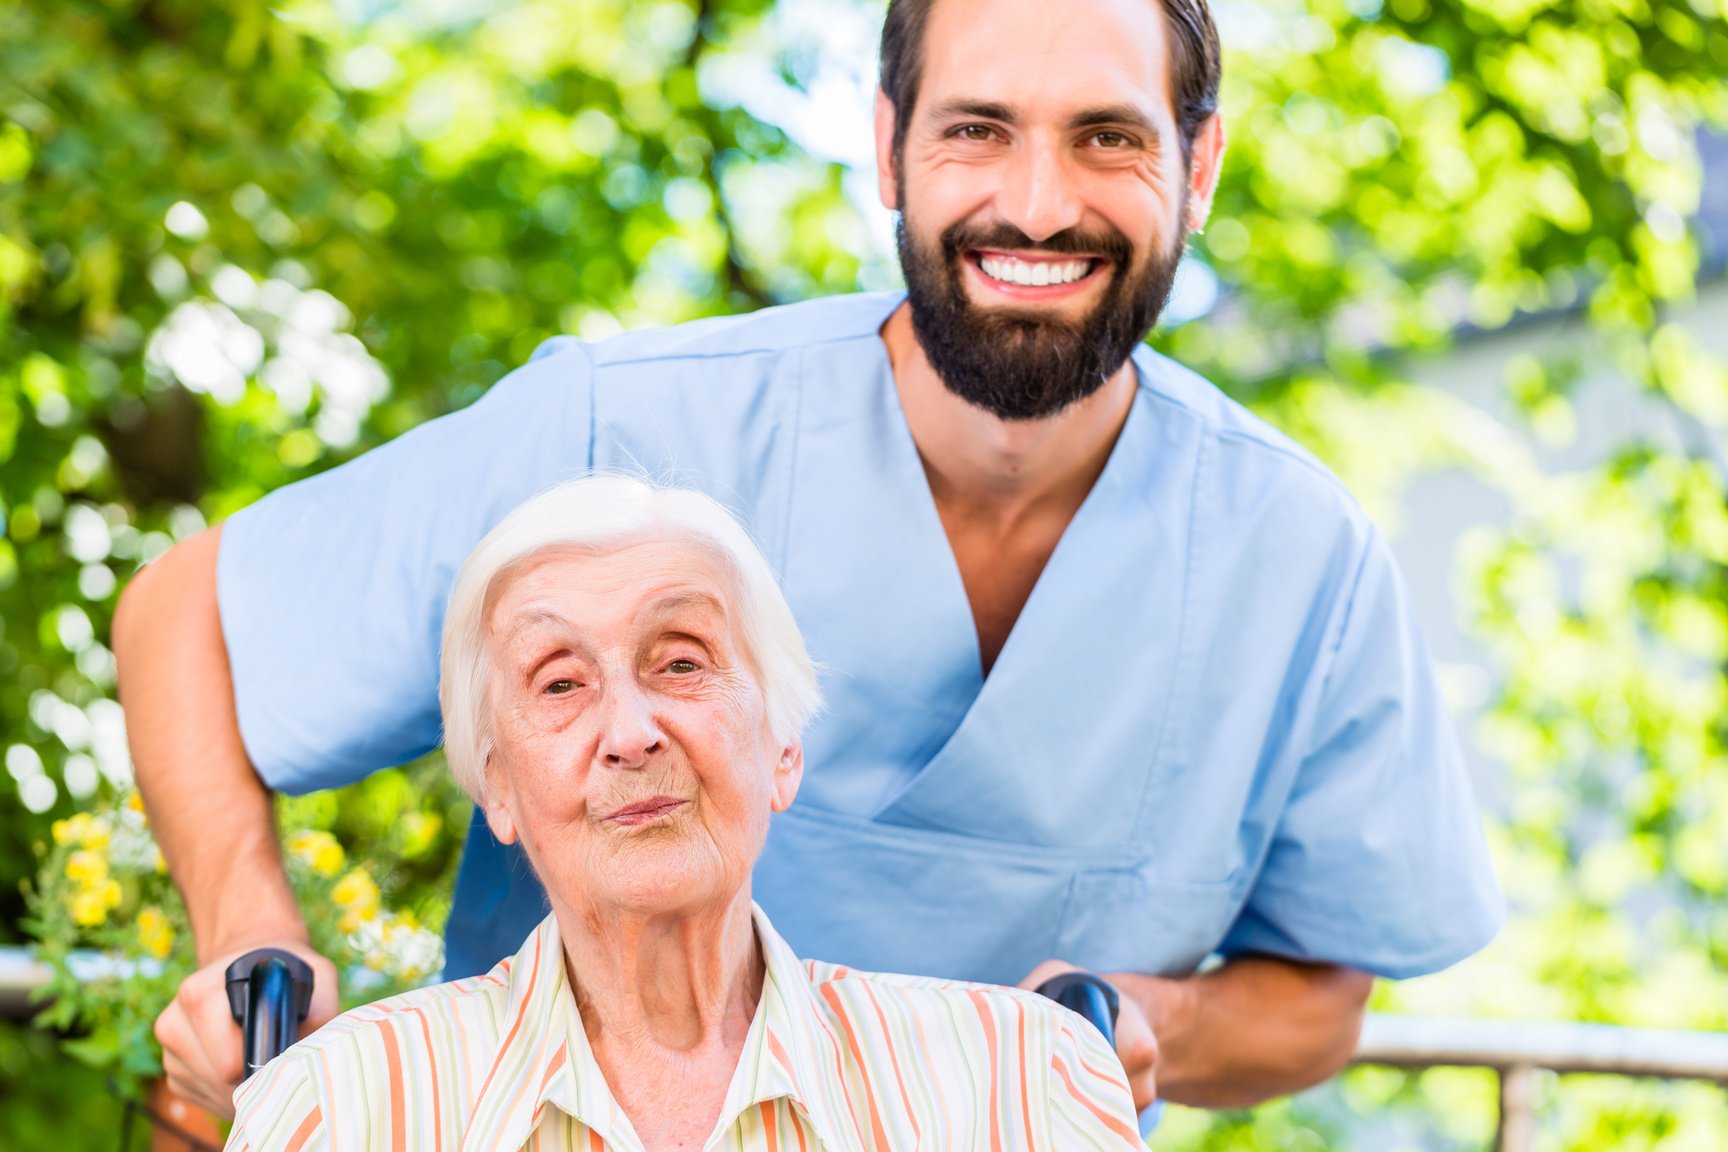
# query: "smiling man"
{"type": "Point", "coordinates": [1118, 677]}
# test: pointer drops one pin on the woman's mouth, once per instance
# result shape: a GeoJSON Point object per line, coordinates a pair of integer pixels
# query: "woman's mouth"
{"type": "Point", "coordinates": [646, 811]}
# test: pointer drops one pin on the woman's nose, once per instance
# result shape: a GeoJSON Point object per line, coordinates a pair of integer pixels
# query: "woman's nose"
{"type": "Point", "coordinates": [630, 733]}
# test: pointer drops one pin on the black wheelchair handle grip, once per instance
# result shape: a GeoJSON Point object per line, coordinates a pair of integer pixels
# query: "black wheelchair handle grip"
{"type": "Point", "coordinates": [1089, 994]}
{"type": "Point", "coordinates": [269, 994]}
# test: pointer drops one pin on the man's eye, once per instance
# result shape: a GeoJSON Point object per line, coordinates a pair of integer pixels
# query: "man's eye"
{"type": "Point", "coordinates": [975, 132]}
{"type": "Point", "coordinates": [682, 667]}
{"type": "Point", "coordinates": [1112, 140]}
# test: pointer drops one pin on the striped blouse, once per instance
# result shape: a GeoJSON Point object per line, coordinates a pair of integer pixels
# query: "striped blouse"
{"type": "Point", "coordinates": [834, 1059]}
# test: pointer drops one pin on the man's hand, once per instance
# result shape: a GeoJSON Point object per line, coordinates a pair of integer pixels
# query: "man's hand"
{"type": "Point", "coordinates": [211, 814]}
{"type": "Point", "coordinates": [1254, 1028]}
{"type": "Point", "coordinates": [201, 1043]}
{"type": "Point", "coordinates": [1136, 1043]}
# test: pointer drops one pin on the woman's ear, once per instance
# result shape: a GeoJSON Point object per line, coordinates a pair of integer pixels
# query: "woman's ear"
{"type": "Point", "coordinates": [788, 774]}
{"type": "Point", "coordinates": [496, 802]}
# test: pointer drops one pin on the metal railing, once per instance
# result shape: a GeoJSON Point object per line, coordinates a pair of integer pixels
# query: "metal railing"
{"type": "Point", "coordinates": [1515, 1050]}
{"type": "Point", "coordinates": [20, 977]}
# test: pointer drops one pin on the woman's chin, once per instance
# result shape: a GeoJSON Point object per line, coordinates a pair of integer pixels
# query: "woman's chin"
{"type": "Point", "coordinates": [644, 886]}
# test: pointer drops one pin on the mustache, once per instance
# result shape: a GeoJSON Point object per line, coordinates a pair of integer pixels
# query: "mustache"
{"type": "Point", "coordinates": [1112, 245]}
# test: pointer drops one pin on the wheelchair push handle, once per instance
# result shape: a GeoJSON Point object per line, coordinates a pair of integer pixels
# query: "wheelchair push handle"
{"type": "Point", "coordinates": [269, 994]}
{"type": "Point", "coordinates": [1089, 994]}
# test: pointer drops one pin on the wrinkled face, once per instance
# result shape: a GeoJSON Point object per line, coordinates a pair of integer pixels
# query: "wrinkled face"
{"type": "Point", "coordinates": [633, 756]}
{"type": "Point", "coordinates": [1043, 194]}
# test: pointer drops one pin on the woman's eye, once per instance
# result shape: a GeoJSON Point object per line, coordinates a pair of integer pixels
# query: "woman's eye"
{"type": "Point", "coordinates": [560, 687]}
{"type": "Point", "coordinates": [682, 667]}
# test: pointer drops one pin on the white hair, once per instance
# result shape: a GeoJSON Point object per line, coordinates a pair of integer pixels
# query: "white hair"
{"type": "Point", "coordinates": [604, 513]}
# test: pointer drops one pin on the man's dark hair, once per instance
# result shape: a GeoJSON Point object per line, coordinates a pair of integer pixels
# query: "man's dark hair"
{"type": "Point", "coordinates": [1194, 63]}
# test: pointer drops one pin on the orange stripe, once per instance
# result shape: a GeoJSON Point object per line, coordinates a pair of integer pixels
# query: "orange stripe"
{"type": "Point", "coordinates": [778, 1051]}
{"type": "Point", "coordinates": [840, 1074]}
{"type": "Point", "coordinates": [1107, 1076]}
{"type": "Point", "coordinates": [983, 1008]}
{"type": "Point", "coordinates": [552, 1067]}
{"type": "Point", "coordinates": [878, 1133]}
{"type": "Point", "coordinates": [393, 1073]}
{"type": "Point", "coordinates": [516, 1024]}
{"type": "Point", "coordinates": [1109, 1121]}
{"type": "Point", "coordinates": [304, 1133]}
{"type": "Point", "coordinates": [929, 1062]}
{"type": "Point", "coordinates": [894, 1060]}
{"type": "Point", "coordinates": [595, 1144]}
{"type": "Point", "coordinates": [1025, 1090]}
{"type": "Point", "coordinates": [770, 1133]}
{"type": "Point", "coordinates": [437, 1110]}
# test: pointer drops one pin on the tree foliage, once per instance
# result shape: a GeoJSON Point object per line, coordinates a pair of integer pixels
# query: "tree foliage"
{"type": "Point", "coordinates": [240, 243]}
{"type": "Point", "coordinates": [1408, 174]}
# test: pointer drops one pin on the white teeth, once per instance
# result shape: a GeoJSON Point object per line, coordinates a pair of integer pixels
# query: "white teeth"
{"type": "Point", "coordinates": [1033, 275]}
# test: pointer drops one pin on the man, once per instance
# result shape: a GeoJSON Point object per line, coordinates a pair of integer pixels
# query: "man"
{"type": "Point", "coordinates": [1118, 677]}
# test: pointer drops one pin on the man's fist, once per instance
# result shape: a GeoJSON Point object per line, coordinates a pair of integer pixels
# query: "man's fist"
{"type": "Point", "coordinates": [201, 1043]}
{"type": "Point", "coordinates": [1136, 1044]}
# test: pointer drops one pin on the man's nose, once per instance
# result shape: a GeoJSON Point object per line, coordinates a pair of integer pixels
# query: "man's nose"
{"type": "Point", "coordinates": [629, 730]}
{"type": "Point", "coordinates": [1037, 193]}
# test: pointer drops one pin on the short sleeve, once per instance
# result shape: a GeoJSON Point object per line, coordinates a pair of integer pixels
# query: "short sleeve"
{"type": "Point", "coordinates": [1378, 860]}
{"type": "Point", "coordinates": [1090, 1106]}
{"type": "Point", "coordinates": [332, 591]}
{"type": "Point", "coordinates": [278, 1109]}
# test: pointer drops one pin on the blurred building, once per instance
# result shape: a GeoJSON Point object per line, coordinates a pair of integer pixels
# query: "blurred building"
{"type": "Point", "coordinates": [1611, 413]}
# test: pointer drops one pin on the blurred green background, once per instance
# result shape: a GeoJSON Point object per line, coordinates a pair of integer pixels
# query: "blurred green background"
{"type": "Point", "coordinates": [1470, 251]}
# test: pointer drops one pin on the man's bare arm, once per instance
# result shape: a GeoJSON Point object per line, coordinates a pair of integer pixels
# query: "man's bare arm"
{"type": "Point", "coordinates": [1255, 1028]}
{"type": "Point", "coordinates": [210, 812]}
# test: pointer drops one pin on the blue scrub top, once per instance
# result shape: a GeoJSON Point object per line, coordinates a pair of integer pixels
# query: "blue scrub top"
{"type": "Point", "coordinates": [1214, 727]}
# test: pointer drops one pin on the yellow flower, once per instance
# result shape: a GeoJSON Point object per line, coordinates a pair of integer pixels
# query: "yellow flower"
{"type": "Point", "coordinates": [319, 851]}
{"type": "Point", "coordinates": [357, 896]}
{"type": "Point", "coordinates": [87, 869]}
{"type": "Point", "coordinates": [82, 829]}
{"type": "Point", "coordinates": [155, 933]}
{"type": "Point", "coordinates": [135, 801]}
{"type": "Point", "coordinates": [89, 909]}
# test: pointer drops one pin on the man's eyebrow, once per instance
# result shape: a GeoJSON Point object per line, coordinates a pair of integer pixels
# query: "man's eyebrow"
{"type": "Point", "coordinates": [972, 110]}
{"type": "Point", "coordinates": [1125, 115]}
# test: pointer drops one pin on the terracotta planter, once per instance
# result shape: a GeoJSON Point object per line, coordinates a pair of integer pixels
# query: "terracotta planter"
{"type": "Point", "coordinates": [178, 1125]}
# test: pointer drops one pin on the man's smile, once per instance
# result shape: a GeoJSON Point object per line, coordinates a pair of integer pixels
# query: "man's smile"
{"type": "Point", "coordinates": [1035, 275]}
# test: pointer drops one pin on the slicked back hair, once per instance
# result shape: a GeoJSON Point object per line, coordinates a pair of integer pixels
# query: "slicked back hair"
{"type": "Point", "coordinates": [1195, 64]}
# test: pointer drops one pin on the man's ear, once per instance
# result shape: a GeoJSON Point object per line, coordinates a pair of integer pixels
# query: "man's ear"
{"type": "Point", "coordinates": [788, 774]}
{"type": "Point", "coordinates": [1205, 161]}
{"type": "Point", "coordinates": [886, 171]}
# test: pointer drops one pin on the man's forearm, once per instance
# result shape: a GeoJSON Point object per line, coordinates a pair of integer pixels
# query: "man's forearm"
{"type": "Point", "coordinates": [1256, 1028]}
{"type": "Point", "coordinates": [210, 812]}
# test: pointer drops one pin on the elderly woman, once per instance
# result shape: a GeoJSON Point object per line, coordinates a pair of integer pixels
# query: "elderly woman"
{"type": "Point", "coordinates": [624, 690]}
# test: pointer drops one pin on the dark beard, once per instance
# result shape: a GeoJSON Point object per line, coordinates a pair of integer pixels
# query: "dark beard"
{"type": "Point", "coordinates": [1023, 364]}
